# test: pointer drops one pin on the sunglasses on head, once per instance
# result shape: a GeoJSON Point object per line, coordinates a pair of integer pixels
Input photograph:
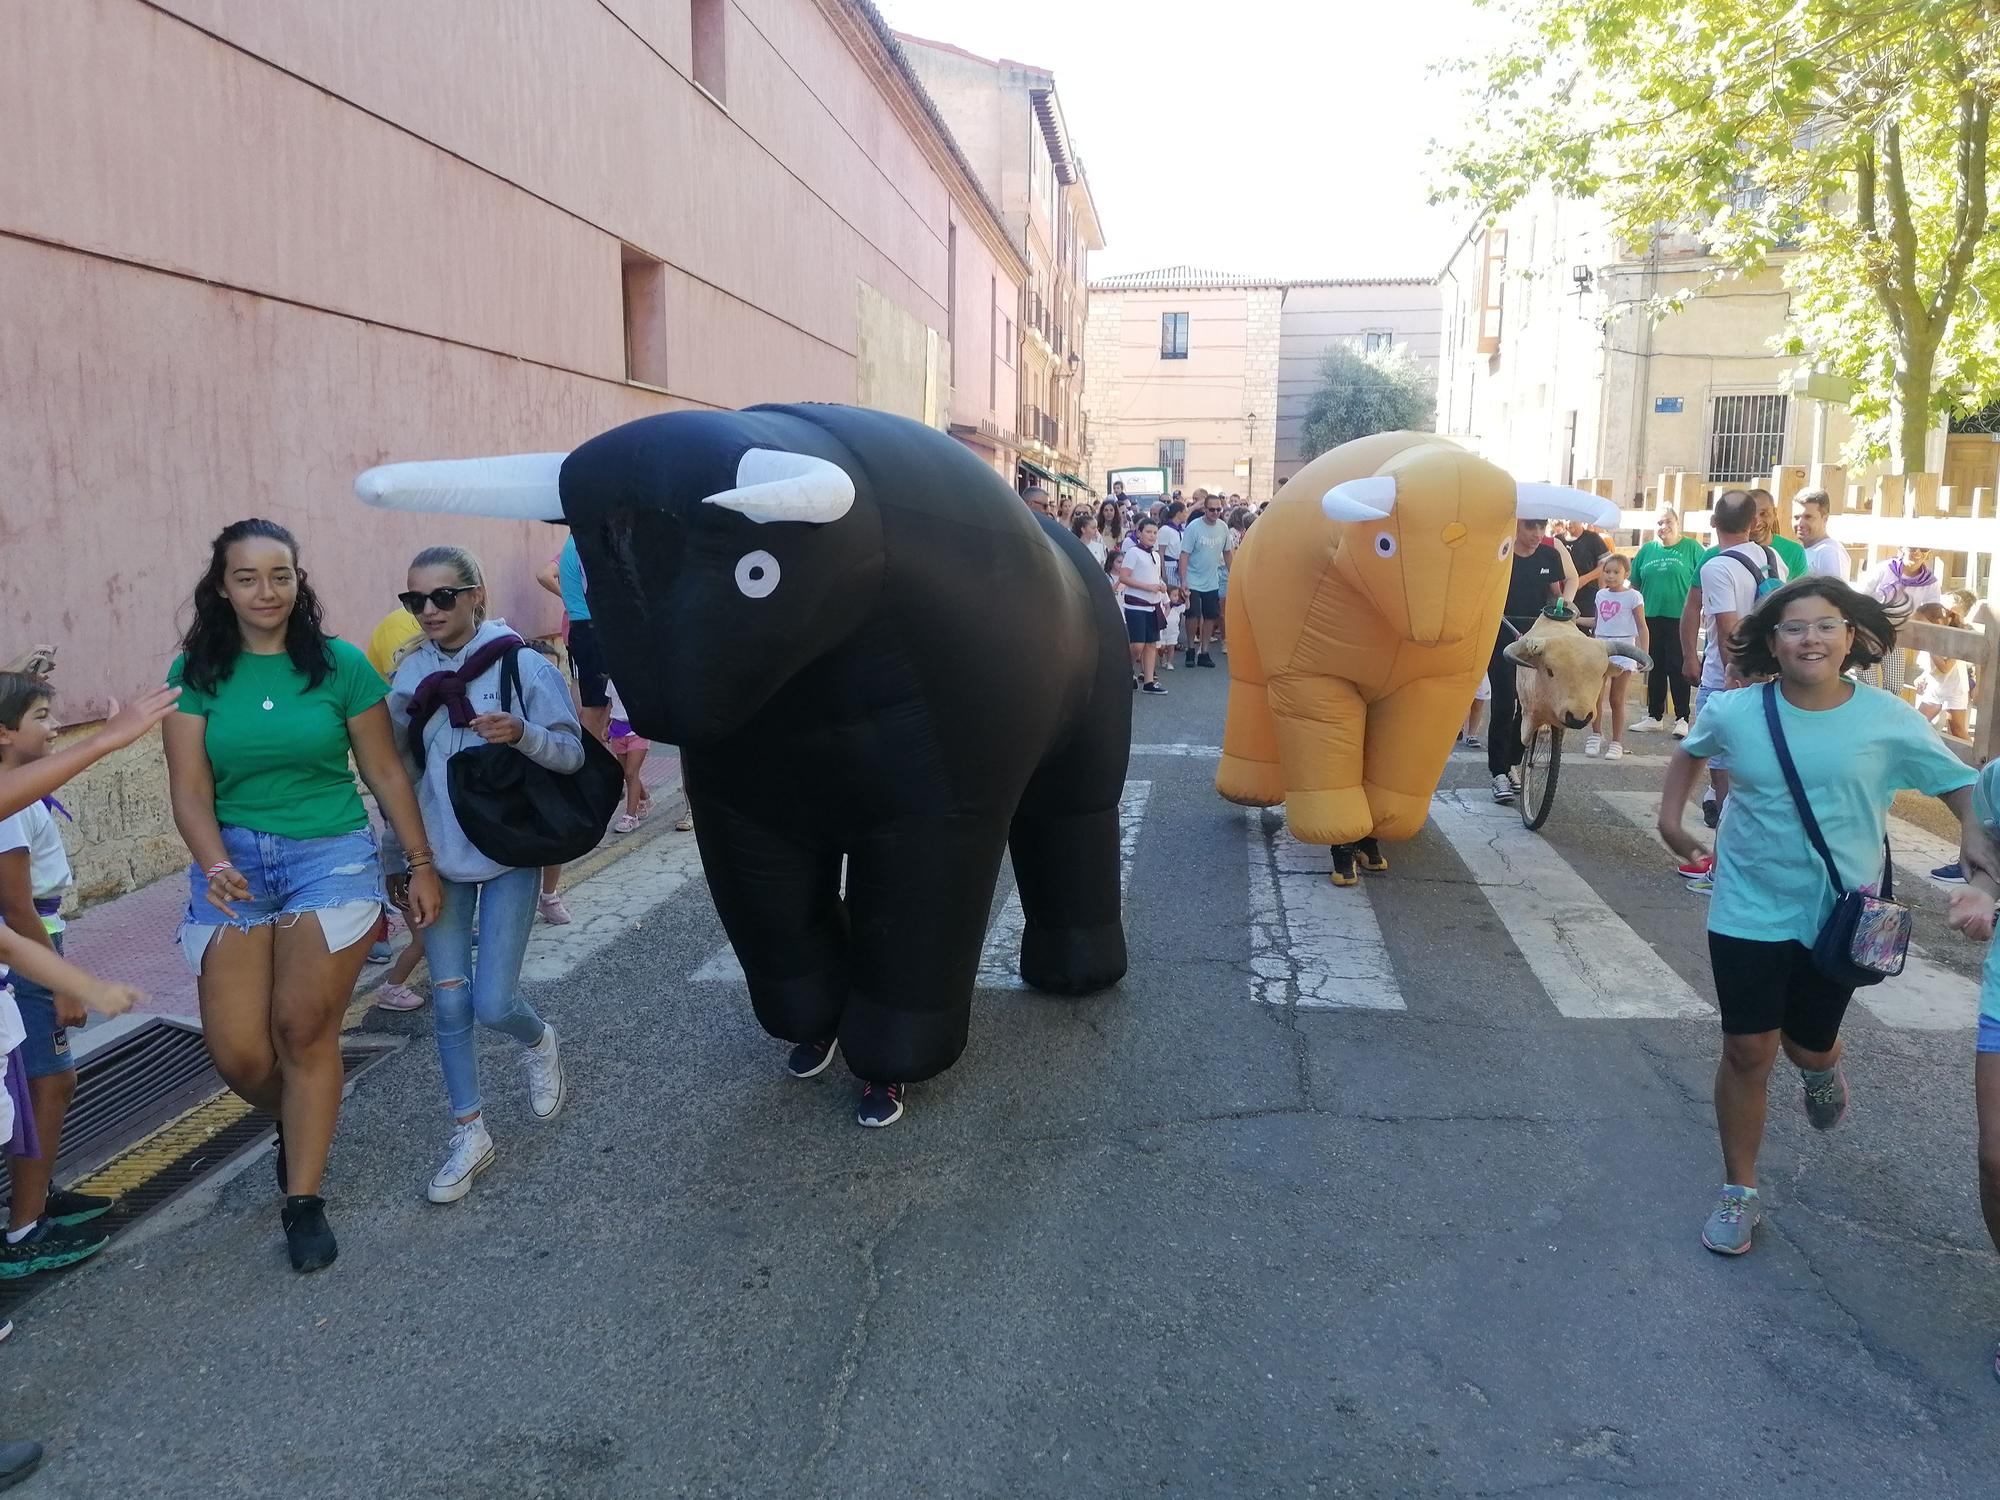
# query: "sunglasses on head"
{"type": "Point", "coordinates": [444, 599]}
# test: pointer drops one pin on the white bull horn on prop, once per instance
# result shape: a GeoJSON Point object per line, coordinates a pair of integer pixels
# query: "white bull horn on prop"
{"type": "Point", "coordinates": [1367, 499]}
{"type": "Point", "coordinates": [1631, 652]}
{"type": "Point", "coordinates": [514, 487]}
{"type": "Point", "coordinates": [776, 486]}
{"type": "Point", "coordinates": [1560, 502]}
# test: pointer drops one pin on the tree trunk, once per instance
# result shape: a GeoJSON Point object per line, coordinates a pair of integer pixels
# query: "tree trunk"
{"type": "Point", "coordinates": [1910, 410]}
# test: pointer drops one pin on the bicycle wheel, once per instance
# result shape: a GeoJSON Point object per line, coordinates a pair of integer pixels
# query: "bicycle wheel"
{"type": "Point", "coordinates": [1541, 762]}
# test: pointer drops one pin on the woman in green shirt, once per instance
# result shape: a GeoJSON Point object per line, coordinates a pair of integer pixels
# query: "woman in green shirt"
{"type": "Point", "coordinates": [271, 709]}
{"type": "Point", "coordinates": [1664, 571]}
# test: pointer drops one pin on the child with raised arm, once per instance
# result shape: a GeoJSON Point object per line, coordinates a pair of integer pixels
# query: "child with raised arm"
{"type": "Point", "coordinates": [1621, 616]}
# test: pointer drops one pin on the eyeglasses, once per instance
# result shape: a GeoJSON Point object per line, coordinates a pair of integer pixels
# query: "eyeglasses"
{"type": "Point", "coordinates": [445, 600]}
{"type": "Point", "coordinates": [1830, 628]}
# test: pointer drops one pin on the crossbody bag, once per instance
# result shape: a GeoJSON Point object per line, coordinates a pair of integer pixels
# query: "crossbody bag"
{"type": "Point", "coordinates": [1866, 938]}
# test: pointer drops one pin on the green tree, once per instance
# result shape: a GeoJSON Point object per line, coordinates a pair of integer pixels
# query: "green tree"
{"type": "Point", "coordinates": [1360, 394]}
{"type": "Point", "coordinates": [1852, 134]}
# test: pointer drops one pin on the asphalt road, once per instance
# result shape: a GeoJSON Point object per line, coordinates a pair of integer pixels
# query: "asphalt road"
{"type": "Point", "coordinates": [1191, 1238]}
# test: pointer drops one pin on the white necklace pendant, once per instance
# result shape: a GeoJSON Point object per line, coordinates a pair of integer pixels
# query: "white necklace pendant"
{"type": "Point", "coordinates": [269, 705]}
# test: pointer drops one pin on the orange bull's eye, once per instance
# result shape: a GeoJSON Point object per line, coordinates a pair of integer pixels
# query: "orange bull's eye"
{"type": "Point", "coordinates": [1453, 534]}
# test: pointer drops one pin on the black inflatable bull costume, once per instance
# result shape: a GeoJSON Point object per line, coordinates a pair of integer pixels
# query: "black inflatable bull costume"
{"type": "Point", "coordinates": [864, 646]}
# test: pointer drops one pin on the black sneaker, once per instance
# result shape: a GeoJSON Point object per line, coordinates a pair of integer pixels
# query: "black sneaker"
{"type": "Point", "coordinates": [1711, 811]}
{"type": "Point", "coordinates": [17, 1462]}
{"type": "Point", "coordinates": [47, 1248]}
{"type": "Point", "coordinates": [1190, 658]}
{"type": "Point", "coordinates": [1343, 865]}
{"type": "Point", "coordinates": [1135, 684]}
{"type": "Point", "coordinates": [1204, 660]}
{"type": "Point", "coordinates": [66, 1209]}
{"type": "Point", "coordinates": [1951, 874]}
{"type": "Point", "coordinates": [1368, 853]}
{"type": "Point", "coordinates": [1151, 687]}
{"type": "Point", "coordinates": [308, 1236]}
{"type": "Point", "coordinates": [809, 1059]}
{"type": "Point", "coordinates": [881, 1104]}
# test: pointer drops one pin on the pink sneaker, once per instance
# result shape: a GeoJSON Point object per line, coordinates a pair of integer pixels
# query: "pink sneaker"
{"type": "Point", "coordinates": [398, 997]}
{"type": "Point", "coordinates": [627, 822]}
{"type": "Point", "coordinates": [553, 911]}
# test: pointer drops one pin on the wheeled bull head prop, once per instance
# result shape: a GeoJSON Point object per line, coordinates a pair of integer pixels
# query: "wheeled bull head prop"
{"type": "Point", "coordinates": [723, 551]}
{"type": "Point", "coordinates": [1563, 671]}
{"type": "Point", "coordinates": [1427, 539]}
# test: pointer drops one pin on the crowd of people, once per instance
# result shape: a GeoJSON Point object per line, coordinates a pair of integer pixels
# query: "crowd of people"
{"type": "Point", "coordinates": [1800, 723]}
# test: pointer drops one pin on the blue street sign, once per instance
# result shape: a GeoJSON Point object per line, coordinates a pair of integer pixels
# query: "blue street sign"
{"type": "Point", "coordinates": [1666, 406]}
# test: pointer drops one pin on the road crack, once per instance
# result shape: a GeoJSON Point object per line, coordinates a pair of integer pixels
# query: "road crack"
{"type": "Point", "coordinates": [832, 1408]}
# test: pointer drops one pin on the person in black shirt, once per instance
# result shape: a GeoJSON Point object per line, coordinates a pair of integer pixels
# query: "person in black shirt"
{"type": "Point", "coordinates": [1587, 551]}
{"type": "Point", "coordinates": [1541, 574]}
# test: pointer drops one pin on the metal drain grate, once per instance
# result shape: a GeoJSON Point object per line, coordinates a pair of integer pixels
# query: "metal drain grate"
{"type": "Point", "coordinates": [140, 1093]}
{"type": "Point", "coordinates": [133, 1086]}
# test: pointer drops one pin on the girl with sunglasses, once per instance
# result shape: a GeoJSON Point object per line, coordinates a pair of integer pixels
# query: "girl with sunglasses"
{"type": "Point", "coordinates": [285, 889]}
{"type": "Point", "coordinates": [446, 697]}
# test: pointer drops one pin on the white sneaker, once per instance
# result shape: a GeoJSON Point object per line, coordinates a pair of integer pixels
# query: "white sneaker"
{"type": "Point", "coordinates": [1647, 725]}
{"type": "Point", "coordinates": [1680, 729]}
{"type": "Point", "coordinates": [1594, 746]}
{"type": "Point", "coordinates": [545, 1076]}
{"type": "Point", "coordinates": [1614, 751]}
{"type": "Point", "coordinates": [1503, 789]}
{"type": "Point", "coordinates": [471, 1154]}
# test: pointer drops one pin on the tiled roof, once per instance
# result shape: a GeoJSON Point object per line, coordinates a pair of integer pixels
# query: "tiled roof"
{"type": "Point", "coordinates": [1196, 279]}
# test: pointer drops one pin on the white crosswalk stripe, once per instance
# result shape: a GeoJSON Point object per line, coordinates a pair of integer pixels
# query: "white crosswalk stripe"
{"type": "Point", "coordinates": [1310, 942]}
{"type": "Point", "coordinates": [1589, 961]}
{"type": "Point", "coordinates": [1926, 996]}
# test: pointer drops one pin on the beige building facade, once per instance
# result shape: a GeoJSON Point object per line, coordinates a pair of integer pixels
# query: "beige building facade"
{"type": "Point", "coordinates": [1553, 367]}
{"type": "Point", "coordinates": [1207, 374]}
{"type": "Point", "coordinates": [1007, 117]}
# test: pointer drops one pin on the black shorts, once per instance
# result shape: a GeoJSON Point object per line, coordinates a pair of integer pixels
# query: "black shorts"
{"type": "Point", "coordinates": [1204, 606]}
{"type": "Point", "coordinates": [1776, 987]}
{"type": "Point", "coordinates": [586, 664]}
{"type": "Point", "coordinates": [1142, 626]}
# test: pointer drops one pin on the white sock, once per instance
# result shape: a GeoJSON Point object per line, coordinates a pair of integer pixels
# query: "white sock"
{"type": "Point", "coordinates": [15, 1236]}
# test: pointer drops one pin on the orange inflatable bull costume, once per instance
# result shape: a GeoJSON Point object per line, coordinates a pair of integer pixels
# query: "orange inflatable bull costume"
{"type": "Point", "coordinates": [1362, 610]}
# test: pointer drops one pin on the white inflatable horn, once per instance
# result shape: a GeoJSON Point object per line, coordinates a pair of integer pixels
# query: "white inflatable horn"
{"type": "Point", "coordinates": [772, 485]}
{"type": "Point", "coordinates": [1550, 502]}
{"type": "Point", "coordinates": [516, 487]}
{"type": "Point", "coordinates": [1367, 499]}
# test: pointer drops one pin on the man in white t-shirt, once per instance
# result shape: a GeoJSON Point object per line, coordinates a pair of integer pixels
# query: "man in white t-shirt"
{"type": "Point", "coordinates": [1824, 556]}
{"type": "Point", "coordinates": [1731, 582]}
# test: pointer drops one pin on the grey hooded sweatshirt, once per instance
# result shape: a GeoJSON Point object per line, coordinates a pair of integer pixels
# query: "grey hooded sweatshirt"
{"type": "Point", "coordinates": [550, 736]}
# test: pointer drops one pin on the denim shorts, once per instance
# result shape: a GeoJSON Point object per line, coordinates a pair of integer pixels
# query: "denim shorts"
{"type": "Point", "coordinates": [45, 1050]}
{"type": "Point", "coordinates": [287, 876]}
{"type": "Point", "coordinates": [1989, 1032]}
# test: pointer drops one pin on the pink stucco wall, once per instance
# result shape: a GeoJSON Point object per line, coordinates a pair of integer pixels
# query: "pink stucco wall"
{"type": "Point", "coordinates": [248, 247]}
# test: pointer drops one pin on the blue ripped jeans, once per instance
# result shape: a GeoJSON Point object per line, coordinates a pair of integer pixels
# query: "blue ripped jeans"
{"type": "Point", "coordinates": [505, 908]}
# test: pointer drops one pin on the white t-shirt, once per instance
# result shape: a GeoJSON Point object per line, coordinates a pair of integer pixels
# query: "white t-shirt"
{"type": "Point", "coordinates": [1144, 590]}
{"type": "Point", "coordinates": [1617, 614]}
{"type": "Point", "coordinates": [1170, 554]}
{"type": "Point", "coordinates": [1950, 688]}
{"type": "Point", "coordinates": [1727, 588]}
{"type": "Point", "coordinates": [1096, 546]}
{"type": "Point", "coordinates": [1884, 581]}
{"type": "Point", "coordinates": [1827, 558]}
{"type": "Point", "coordinates": [34, 828]}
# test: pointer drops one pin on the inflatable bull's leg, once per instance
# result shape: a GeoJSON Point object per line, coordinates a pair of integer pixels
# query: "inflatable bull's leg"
{"type": "Point", "coordinates": [919, 892]}
{"type": "Point", "coordinates": [1319, 723]}
{"type": "Point", "coordinates": [1249, 772]}
{"type": "Point", "coordinates": [1403, 764]}
{"type": "Point", "coordinates": [779, 900]}
{"type": "Point", "coordinates": [1066, 866]}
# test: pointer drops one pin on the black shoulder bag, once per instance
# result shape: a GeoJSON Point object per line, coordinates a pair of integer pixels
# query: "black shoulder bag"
{"type": "Point", "coordinates": [524, 815]}
{"type": "Point", "coordinates": [1866, 938]}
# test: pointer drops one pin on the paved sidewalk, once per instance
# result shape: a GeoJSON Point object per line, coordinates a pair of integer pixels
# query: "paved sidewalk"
{"type": "Point", "coordinates": [132, 938]}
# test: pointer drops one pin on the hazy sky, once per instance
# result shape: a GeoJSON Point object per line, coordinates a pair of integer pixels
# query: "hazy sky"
{"type": "Point", "coordinates": [1254, 136]}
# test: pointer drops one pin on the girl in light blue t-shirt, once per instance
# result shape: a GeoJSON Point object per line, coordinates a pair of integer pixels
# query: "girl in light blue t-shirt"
{"type": "Point", "coordinates": [1854, 748]}
{"type": "Point", "coordinates": [1972, 913]}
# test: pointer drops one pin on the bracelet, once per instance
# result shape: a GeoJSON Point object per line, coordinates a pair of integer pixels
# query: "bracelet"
{"type": "Point", "coordinates": [417, 861]}
{"type": "Point", "coordinates": [217, 868]}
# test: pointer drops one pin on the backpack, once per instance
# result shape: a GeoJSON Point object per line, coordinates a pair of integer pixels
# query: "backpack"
{"type": "Point", "coordinates": [1768, 581]}
{"type": "Point", "coordinates": [522, 815]}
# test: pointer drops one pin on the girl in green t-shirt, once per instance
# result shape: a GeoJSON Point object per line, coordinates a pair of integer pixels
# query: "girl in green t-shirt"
{"type": "Point", "coordinates": [258, 761]}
